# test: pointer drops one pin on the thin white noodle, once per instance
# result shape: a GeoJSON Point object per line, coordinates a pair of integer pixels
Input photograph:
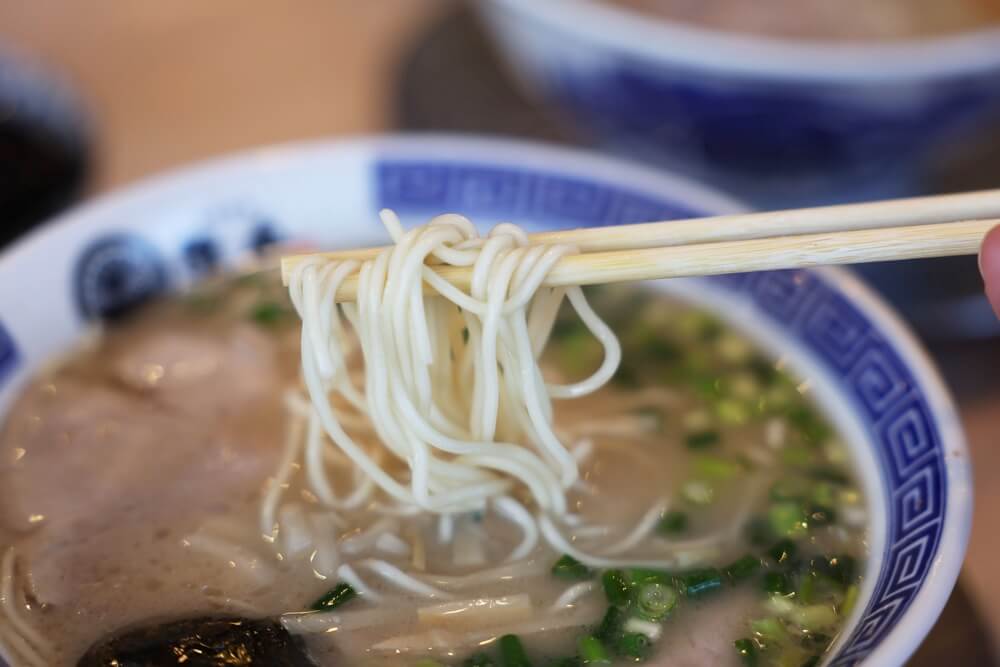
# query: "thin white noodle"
{"type": "Point", "coordinates": [572, 595]}
{"type": "Point", "coordinates": [561, 544]}
{"type": "Point", "coordinates": [641, 531]}
{"type": "Point", "coordinates": [519, 515]}
{"type": "Point", "coordinates": [403, 581]}
{"type": "Point", "coordinates": [348, 575]}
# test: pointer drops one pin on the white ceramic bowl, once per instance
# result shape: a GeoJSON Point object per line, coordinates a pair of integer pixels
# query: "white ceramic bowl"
{"type": "Point", "coordinates": [866, 370]}
{"type": "Point", "coordinates": [781, 122]}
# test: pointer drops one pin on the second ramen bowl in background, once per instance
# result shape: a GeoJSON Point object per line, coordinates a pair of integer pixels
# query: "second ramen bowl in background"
{"type": "Point", "coordinates": [780, 122]}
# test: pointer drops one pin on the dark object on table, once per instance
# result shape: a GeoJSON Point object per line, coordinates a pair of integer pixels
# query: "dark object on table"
{"type": "Point", "coordinates": [43, 146]}
{"type": "Point", "coordinates": [203, 642]}
{"type": "Point", "coordinates": [454, 81]}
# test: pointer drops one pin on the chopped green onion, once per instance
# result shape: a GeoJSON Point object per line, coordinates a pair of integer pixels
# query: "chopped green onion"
{"type": "Point", "coordinates": [641, 576]}
{"type": "Point", "coordinates": [776, 582]}
{"type": "Point", "coordinates": [592, 651]}
{"type": "Point", "coordinates": [337, 596]}
{"type": "Point", "coordinates": [839, 569]}
{"type": "Point", "coordinates": [789, 489]}
{"type": "Point", "coordinates": [783, 551]}
{"type": "Point", "coordinates": [807, 586]}
{"type": "Point", "coordinates": [715, 468]}
{"type": "Point", "coordinates": [634, 645]}
{"type": "Point", "coordinates": [824, 494]}
{"type": "Point", "coordinates": [850, 599]}
{"type": "Point", "coordinates": [743, 569]}
{"type": "Point", "coordinates": [786, 519]}
{"type": "Point", "coordinates": [702, 439]}
{"type": "Point", "coordinates": [701, 582]}
{"type": "Point", "coordinates": [797, 456]}
{"type": "Point", "coordinates": [268, 313]}
{"type": "Point", "coordinates": [814, 617]}
{"type": "Point", "coordinates": [617, 587]}
{"type": "Point", "coordinates": [659, 349]}
{"type": "Point", "coordinates": [672, 523]}
{"type": "Point", "coordinates": [478, 660]}
{"type": "Point", "coordinates": [747, 650]}
{"type": "Point", "coordinates": [813, 428]}
{"type": "Point", "coordinates": [769, 629]}
{"type": "Point", "coordinates": [611, 625]}
{"type": "Point", "coordinates": [698, 492]}
{"type": "Point", "coordinates": [655, 601]}
{"type": "Point", "coordinates": [568, 567]}
{"type": "Point", "coordinates": [731, 411]}
{"type": "Point", "coordinates": [512, 652]}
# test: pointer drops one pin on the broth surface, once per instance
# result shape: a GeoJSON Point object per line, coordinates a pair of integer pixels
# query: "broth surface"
{"type": "Point", "coordinates": [131, 476]}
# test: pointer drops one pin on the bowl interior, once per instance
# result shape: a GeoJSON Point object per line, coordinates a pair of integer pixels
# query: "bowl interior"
{"type": "Point", "coordinates": [866, 370]}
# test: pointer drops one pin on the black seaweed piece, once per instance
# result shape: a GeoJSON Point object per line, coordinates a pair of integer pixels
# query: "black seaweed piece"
{"type": "Point", "coordinates": [201, 642]}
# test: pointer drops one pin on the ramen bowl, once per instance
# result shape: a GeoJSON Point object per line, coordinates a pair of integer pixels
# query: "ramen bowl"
{"type": "Point", "coordinates": [779, 122]}
{"type": "Point", "coordinates": [862, 366]}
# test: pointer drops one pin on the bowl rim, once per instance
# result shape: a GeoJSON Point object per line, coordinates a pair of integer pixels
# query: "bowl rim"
{"type": "Point", "coordinates": [664, 42]}
{"type": "Point", "coordinates": [936, 588]}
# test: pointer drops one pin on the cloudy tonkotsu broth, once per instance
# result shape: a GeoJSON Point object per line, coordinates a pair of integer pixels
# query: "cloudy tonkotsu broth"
{"type": "Point", "coordinates": [822, 19]}
{"type": "Point", "coordinates": [132, 477]}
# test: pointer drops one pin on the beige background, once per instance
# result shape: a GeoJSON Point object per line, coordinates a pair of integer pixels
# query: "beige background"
{"type": "Point", "coordinates": [169, 82]}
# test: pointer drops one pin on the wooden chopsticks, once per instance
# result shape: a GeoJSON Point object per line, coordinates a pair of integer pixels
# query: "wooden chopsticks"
{"type": "Point", "coordinates": [855, 233]}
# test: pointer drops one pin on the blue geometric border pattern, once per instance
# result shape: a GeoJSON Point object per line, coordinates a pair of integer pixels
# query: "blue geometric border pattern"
{"type": "Point", "coordinates": [10, 357]}
{"type": "Point", "coordinates": [422, 187]}
{"type": "Point", "coordinates": [841, 337]}
{"type": "Point", "coordinates": [898, 419]}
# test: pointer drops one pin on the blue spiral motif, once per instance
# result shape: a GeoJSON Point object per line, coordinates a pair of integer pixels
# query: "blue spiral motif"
{"type": "Point", "coordinates": [868, 369]}
{"type": "Point", "coordinates": [116, 273]}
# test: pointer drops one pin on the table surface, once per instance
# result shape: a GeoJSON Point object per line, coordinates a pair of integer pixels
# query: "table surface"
{"type": "Point", "coordinates": [172, 82]}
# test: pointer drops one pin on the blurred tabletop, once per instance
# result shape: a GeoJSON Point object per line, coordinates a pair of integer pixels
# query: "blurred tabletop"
{"type": "Point", "coordinates": [171, 82]}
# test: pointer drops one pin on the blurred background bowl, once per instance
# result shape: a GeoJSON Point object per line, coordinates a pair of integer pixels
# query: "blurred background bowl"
{"type": "Point", "coordinates": [780, 123]}
{"type": "Point", "coordinates": [777, 122]}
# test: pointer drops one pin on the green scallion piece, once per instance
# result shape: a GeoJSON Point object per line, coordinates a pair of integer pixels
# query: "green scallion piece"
{"type": "Point", "coordinates": [850, 599]}
{"type": "Point", "coordinates": [611, 624]}
{"type": "Point", "coordinates": [702, 439]}
{"type": "Point", "coordinates": [747, 650]}
{"type": "Point", "coordinates": [783, 551]}
{"type": "Point", "coordinates": [338, 595]}
{"type": "Point", "coordinates": [743, 569]}
{"type": "Point", "coordinates": [568, 567]}
{"type": "Point", "coordinates": [776, 582]}
{"type": "Point", "coordinates": [787, 519]}
{"type": "Point", "coordinates": [715, 468]}
{"type": "Point", "coordinates": [672, 523]}
{"type": "Point", "coordinates": [655, 601]}
{"type": "Point", "coordinates": [769, 629]}
{"type": "Point", "coordinates": [478, 660]}
{"type": "Point", "coordinates": [701, 582]}
{"type": "Point", "coordinates": [617, 587]}
{"type": "Point", "coordinates": [592, 652]}
{"type": "Point", "coordinates": [633, 645]}
{"type": "Point", "coordinates": [512, 652]}
{"type": "Point", "coordinates": [268, 313]}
